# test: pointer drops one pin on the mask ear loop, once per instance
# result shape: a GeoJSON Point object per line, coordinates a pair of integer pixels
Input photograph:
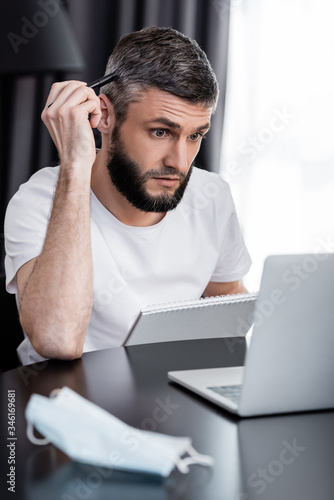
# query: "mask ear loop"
{"type": "Point", "coordinates": [195, 458]}
{"type": "Point", "coordinates": [32, 438]}
{"type": "Point", "coordinates": [30, 428]}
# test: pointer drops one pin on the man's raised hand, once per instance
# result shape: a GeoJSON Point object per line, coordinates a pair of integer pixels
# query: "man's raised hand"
{"type": "Point", "coordinates": [68, 107]}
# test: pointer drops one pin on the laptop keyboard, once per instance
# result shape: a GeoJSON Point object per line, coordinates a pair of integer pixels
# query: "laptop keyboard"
{"type": "Point", "coordinates": [232, 392]}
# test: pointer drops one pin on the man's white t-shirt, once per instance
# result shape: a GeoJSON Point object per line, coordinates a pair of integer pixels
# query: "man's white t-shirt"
{"type": "Point", "coordinates": [198, 242]}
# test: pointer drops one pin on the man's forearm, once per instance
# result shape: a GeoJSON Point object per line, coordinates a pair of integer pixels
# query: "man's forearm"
{"type": "Point", "coordinates": [55, 304]}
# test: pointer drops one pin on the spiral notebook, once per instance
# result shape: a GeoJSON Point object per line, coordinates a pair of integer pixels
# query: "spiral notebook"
{"type": "Point", "coordinates": [212, 317]}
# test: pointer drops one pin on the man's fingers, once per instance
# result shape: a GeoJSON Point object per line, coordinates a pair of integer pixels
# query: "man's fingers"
{"type": "Point", "coordinates": [60, 91]}
{"type": "Point", "coordinates": [66, 114]}
{"type": "Point", "coordinates": [65, 97]}
{"type": "Point", "coordinates": [93, 109]}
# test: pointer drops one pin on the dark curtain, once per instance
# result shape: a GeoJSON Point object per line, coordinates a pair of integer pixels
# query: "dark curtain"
{"type": "Point", "coordinates": [97, 26]}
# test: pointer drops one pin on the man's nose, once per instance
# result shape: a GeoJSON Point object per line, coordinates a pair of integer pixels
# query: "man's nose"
{"type": "Point", "coordinates": [176, 156]}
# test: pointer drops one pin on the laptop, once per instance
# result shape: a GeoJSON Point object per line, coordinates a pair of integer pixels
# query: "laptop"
{"type": "Point", "coordinates": [289, 363]}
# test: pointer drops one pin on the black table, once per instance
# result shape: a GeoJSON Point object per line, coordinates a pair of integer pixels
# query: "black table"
{"type": "Point", "coordinates": [273, 458]}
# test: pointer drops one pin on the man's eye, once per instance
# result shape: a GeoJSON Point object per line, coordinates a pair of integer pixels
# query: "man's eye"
{"type": "Point", "coordinates": [159, 132]}
{"type": "Point", "coordinates": [196, 136]}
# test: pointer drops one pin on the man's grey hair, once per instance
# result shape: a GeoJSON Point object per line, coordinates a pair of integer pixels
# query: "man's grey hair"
{"type": "Point", "coordinates": [161, 58]}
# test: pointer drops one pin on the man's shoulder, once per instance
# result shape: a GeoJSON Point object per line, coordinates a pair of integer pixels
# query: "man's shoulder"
{"type": "Point", "coordinates": [46, 176]}
{"type": "Point", "coordinates": [208, 184]}
{"type": "Point", "coordinates": [41, 184]}
{"type": "Point", "coordinates": [200, 177]}
{"type": "Point", "coordinates": [36, 193]}
{"type": "Point", "coordinates": [206, 196]}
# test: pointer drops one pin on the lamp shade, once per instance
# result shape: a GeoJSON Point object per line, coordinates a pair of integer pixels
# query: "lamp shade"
{"type": "Point", "coordinates": [36, 36]}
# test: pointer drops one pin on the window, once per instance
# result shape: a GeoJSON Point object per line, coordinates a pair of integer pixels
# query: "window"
{"type": "Point", "coordinates": [278, 141]}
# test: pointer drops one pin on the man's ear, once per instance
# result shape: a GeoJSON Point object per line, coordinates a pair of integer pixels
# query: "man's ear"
{"type": "Point", "coordinates": [107, 121]}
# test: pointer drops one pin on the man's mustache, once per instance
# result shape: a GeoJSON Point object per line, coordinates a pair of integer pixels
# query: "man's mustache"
{"type": "Point", "coordinates": [163, 172]}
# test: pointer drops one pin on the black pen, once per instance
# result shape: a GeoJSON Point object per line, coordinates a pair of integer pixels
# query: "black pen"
{"type": "Point", "coordinates": [102, 81]}
{"type": "Point", "coordinates": [98, 83]}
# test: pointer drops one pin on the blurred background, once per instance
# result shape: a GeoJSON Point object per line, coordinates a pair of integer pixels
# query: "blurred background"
{"type": "Point", "coordinates": [271, 134]}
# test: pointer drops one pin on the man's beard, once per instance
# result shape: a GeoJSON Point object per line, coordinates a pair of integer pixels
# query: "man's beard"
{"type": "Point", "coordinates": [126, 176]}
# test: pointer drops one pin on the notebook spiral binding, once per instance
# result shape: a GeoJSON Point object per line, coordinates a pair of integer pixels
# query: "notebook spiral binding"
{"type": "Point", "coordinates": [202, 302]}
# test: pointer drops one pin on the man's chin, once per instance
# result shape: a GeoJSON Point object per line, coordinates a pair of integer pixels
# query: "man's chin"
{"type": "Point", "coordinates": [156, 204]}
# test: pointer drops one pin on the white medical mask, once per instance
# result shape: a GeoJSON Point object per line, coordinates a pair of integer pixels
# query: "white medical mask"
{"type": "Point", "coordinates": [89, 434]}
